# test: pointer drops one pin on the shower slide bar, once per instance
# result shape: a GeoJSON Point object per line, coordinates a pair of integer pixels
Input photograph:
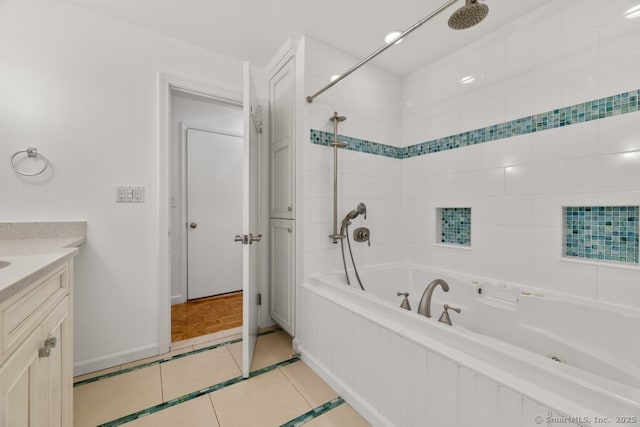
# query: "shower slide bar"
{"type": "Point", "coordinates": [336, 144]}
{"type": "Point", "coordinates": [381, 49]}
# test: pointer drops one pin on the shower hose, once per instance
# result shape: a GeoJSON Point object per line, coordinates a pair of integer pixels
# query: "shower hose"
{"type": "Point", "coordinates": [344, 261]}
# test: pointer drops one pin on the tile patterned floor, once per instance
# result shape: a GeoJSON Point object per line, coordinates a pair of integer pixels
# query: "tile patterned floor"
{"type": "Point", "coordinates": [205, 316]}
{"type": "Point", "coordinates": [279, 395]}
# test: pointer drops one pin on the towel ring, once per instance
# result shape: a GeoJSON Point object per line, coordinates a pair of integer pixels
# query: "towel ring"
{"type": "Point", "coordinates": [33, 153]}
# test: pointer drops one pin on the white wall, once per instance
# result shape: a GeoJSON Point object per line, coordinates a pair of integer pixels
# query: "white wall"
{"type": "Point", "coordinates": [193, 112]}
{"type": "Point", "coordinates": [563, 54]}
{"type": "Point", "coordinates": [84, 89]}
{"type": "Point", "coordinates": [369, 100]}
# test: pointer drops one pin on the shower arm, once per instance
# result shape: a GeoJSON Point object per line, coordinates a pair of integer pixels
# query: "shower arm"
{"type": "Point", "coordinates": [381, 49]}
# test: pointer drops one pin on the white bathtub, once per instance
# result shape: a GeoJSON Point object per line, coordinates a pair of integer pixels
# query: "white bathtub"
{"type": "Point", "coordinates": [502, 336]}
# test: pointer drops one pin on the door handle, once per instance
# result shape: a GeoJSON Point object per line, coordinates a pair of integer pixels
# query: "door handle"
{"type": "Point", "coordinates": [193, 225]}
{"type": "Point", "coordinates": [247, 239]}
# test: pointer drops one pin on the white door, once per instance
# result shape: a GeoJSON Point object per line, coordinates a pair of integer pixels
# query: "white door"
{"type": "Point", "coordinates": [214, 165]}
{"type": "Point", "coordinates": [250, 223]}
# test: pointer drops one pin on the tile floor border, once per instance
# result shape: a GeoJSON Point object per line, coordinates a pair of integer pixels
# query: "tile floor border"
{"type": "Point", "coordinates": [166, 359]}
{"type": "Point", "coordinates": [193, 395]}
{"type": "Point", "coordinates": [314, 413]}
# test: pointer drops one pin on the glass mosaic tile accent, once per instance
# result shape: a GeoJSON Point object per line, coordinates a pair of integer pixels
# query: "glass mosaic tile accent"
{"type": "Point", "coordinates": [193, 395]}
{"type": "Point", "coordinates": [603, 233]}
{"type": "Point", "coordinates": [314, 413]}
{"type": "Point", "coordinates": [623, 103]}
{"type": "Point", "coordinates": [455, 226]}
{"type": "Point", "coordinates": [165, 360]}
{"type": "Point", "coordinates": [355, 144]}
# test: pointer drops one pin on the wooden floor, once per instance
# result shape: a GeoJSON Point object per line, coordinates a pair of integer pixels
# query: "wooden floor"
{"type": "Point", "coordinates": [206, 316]}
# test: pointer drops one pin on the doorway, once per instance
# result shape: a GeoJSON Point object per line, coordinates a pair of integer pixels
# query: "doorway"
{"type": "Point", "coordinates": [206, 205]}
{"type": "Point", "coordinates": [172, 224]}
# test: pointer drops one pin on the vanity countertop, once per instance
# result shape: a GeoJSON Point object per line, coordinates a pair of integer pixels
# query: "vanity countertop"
{"type": "Point", "coordinates": [32, 258]}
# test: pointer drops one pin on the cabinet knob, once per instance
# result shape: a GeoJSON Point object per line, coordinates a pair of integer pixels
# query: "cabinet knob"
{"type": "Point", "coordinates": [289, 208]}
{"type": "Point", "coordinates": [49, 343]}
{"type": "Point", "coordinates": [193, 225]}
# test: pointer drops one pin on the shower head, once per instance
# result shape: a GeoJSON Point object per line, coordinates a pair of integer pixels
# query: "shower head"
{"type": "Point", "coordinates": [468, 15]}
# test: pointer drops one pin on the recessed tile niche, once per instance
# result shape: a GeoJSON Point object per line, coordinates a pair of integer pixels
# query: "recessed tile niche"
{"type": "Point", "coordinates": [602, 233]}
{"type": "Point", "coordinates": [453, 226]}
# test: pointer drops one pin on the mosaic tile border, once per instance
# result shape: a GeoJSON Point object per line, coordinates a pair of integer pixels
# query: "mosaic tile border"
{"type": "Point", "coordinates": [356, 144]}
{"type": "Point", "coordinates": [623, 103]}
{"type": "Point", "coordinates": [601, 233]}
{"type": "Point", "coordinates": [166, 359]}
{"type": "Point", "coordinates": [196, 394]}
{"type": "Point", "coordinates": [314, 413]}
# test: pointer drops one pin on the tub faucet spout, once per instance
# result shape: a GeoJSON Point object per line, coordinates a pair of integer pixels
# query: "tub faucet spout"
{"type": "Point", "coordinates": [425, 302]}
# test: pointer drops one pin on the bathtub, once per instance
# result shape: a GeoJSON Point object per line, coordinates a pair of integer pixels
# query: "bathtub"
{"type": "Point", "coordinates": [512, 357]}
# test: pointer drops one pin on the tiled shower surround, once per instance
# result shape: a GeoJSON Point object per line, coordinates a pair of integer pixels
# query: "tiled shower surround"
{"type": "Point", "coordinates": [605, 233]}
{"type": "Point", "coordinates": [617, 241]}
{"type": "Point", "coordinates": [551, 121]}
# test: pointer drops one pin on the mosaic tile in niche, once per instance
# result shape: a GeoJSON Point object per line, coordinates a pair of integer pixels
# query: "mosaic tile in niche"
{"type": "Point", "coordinates": [455, 226]}
{"type": "Point", "coordinates": [603, 233]}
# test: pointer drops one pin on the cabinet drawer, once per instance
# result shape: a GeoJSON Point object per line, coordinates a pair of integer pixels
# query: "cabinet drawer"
{"type": "Point", "coordinates": [23, 313]}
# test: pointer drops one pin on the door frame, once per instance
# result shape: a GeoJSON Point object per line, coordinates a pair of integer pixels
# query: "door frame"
{"type": "Point", "coordinates": [166, 83]}
{"type": "Point", "coordinates": [184, 277]}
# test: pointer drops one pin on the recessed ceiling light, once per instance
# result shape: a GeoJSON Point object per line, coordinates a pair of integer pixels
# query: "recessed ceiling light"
{"type": "Point", "coordinates": [634, 12]}
{"type": "Point", "coordinates": [392, 36]}
{"type": "Point", "coordinates": [334, 77]}
{"type": "Point", "coordinates": [467, 79]}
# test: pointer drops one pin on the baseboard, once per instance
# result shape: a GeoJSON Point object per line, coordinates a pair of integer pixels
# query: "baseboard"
{"type": "Point", "coordinates": [354, 399]}
{"type": "Point", "coordinates": [115, 359]}
{"type": "Point", "coordinates": [177, 299]}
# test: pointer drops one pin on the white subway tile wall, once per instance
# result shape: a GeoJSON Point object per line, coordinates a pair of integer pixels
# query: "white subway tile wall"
{"type": "Point", "coordinates": [582, 50]}
{"type": "Point", "coordinates": [370, 101]}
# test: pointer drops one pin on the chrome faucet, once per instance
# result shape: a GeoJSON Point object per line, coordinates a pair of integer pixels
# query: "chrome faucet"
{"type": "Point", "coordinates": [424, 308]}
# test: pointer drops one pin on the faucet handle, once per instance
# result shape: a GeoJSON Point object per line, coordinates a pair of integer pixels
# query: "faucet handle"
{"type": "Point", "coordinates": [405, 301]}
{"type": "Point", "coordinates": [444, 317]}
{"type": "Point", "coordinates": [448, 307]}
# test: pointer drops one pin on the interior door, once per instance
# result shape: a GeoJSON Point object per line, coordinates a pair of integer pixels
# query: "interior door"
{"type": "Point", "coordinates": [214, 164]}
{"type": "Point", "coordinates": [250, 225]}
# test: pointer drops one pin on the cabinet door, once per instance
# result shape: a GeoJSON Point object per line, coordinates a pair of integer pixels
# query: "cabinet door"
{"type": "Point", "coordinates": [281, 120]}
{"type": "Point", "coordinates": [282, 290]}
{"type": "Point", "coordinates": [56, 369]}
{"type": "Point", "coordinates": [20, 404]}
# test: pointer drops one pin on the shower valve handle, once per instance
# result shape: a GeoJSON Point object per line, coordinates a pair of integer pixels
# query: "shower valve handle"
{"type": "Point", "coordinates": [362, 234]}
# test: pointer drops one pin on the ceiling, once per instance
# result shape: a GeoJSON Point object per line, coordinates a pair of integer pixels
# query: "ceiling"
{"type": "Point", "coordinates": [254, 29]}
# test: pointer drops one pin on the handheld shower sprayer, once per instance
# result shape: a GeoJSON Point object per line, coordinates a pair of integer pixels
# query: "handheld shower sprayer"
{"type": "Point", "coordinates": [361, 209]}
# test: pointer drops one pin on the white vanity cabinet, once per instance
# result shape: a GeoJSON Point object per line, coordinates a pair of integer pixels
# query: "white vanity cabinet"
{"type": "Point", "coordinates": [282, 116]}
{"type": "Point", "coordinates": [282, 290]}
{"type": "Point", "coordinates": [36, 372]}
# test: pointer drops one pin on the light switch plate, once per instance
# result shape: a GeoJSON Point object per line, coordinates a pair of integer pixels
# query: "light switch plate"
{"type": "Point", "coordinates": [129, 194]}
